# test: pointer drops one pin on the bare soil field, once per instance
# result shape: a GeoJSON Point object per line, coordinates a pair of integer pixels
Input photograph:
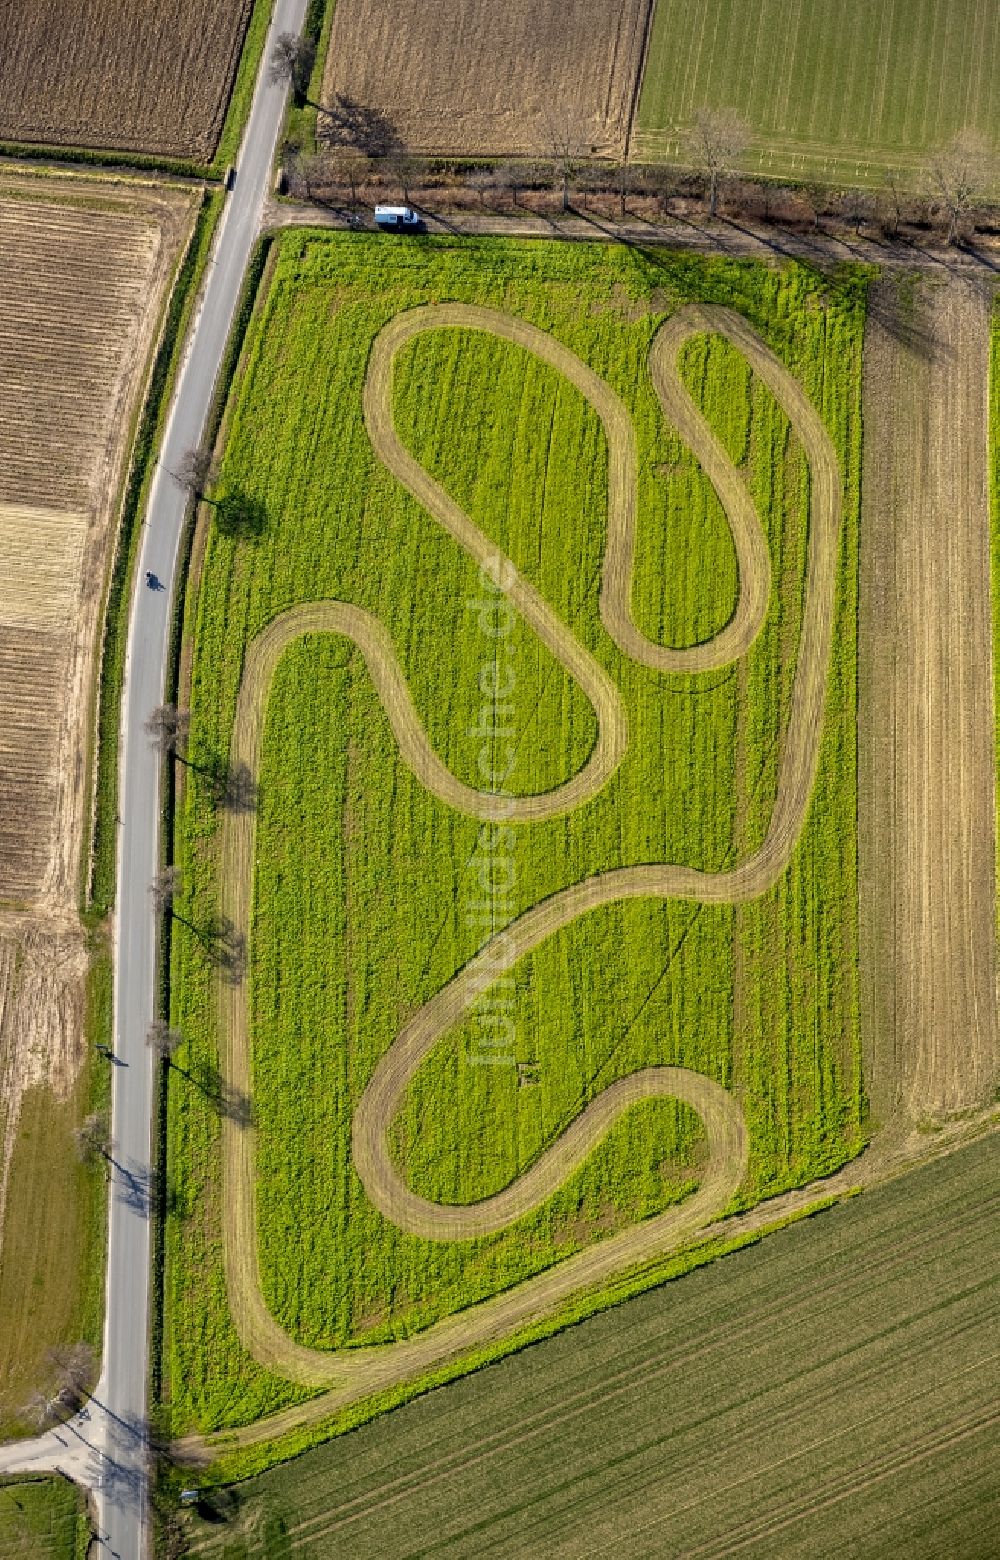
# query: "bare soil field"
{"type": "Point", "coordinates": [492, 79]}
{"type": "Point", "coordinates": [85, 269]}
{"type": "Point", "coordinates": [927, 786]}
{"type": "Point", "coordinates": [132, 76]}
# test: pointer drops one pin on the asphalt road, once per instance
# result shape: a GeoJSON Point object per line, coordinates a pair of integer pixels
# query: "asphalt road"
{"type": "Point", "coordinates": [107, 1447]}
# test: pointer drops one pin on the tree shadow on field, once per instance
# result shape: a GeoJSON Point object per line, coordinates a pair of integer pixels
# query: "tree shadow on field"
{"type": "Point", "coordinates": [898, 305]}
{"type": "Point", "coordinates": [346, 122]}
{"type": "Point", "coordinates": [230, 787]}
{"type": "Point", "coordinates": [240, 515]}
{"type": "Point", "coordinates": [230, 1103]}
{"type": "Point", "coordinates": [222, 943]}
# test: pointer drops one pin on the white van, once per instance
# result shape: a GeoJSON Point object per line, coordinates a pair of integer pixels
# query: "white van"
{"type": "Point", "coordinates": [398, 219]}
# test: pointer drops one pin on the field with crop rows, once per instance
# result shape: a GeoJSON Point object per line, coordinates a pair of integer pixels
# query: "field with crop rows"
{"type": "Point", "coordinates": [838, 93]}
{"type": "Point", "coordinates": [369, 893]}
{"type": "Point", "coordinates": [42, 1519]}
{"type": "Point", "coordinates": [85, 268]}
{"type": "Point", "coordinates": [154, 79]}
{"type": "Point", "coordinates": [867, 1335]}
{"type": "Point", "coordinates": [478, 78]}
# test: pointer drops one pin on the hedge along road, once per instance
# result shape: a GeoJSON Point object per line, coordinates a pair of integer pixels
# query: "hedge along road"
{"type": "Point", "coordinates": [355, 1373]}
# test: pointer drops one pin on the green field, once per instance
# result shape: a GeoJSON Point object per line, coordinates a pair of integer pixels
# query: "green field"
{"type": "Point", "coordinates": [42, 1519]}
{"type": "Point", "coordinates": [364, 881]}
{"type": "Point", "coordinates": [834, 92]}
{"type": "Point", "coordinates": [863, 1342]}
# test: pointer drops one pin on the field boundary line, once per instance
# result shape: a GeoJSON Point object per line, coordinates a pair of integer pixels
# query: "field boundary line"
{"type": "Point", "coordinates": [354, 1373]}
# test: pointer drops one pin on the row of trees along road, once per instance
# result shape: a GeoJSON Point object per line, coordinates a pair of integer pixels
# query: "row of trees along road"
{"type": "Point", "coordinates": [359, 139]}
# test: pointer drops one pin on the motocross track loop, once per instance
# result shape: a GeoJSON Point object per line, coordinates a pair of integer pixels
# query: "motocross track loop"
{"type": "Point", "coordinates": [355, 1372]}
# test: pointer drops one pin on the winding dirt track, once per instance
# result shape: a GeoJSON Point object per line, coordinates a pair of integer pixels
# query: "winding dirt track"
{"type": "Point", "coordinates": [353, 1373]}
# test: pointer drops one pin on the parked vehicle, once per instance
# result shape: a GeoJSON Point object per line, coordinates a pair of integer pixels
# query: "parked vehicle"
{"type": "Point", "coordinates": [398, 219]}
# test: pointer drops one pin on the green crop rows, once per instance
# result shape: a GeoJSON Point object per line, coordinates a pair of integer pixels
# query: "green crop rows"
{"type": "Point", "coordinates": [838, 92]}
{"type": "Point", "coordinates": [856, 1331]}
{"type": "Point", "coordinates": [366, 885]}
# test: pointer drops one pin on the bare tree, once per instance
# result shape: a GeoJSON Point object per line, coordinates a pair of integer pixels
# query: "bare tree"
{"type": "Point", "coordinates": [292, 60]}
{"type": "Point", "coordinates": [960, 174]}
{"type": "Point", "coordinates": [40, 1409]}
{"type": "Point", "coordinates": [508, 177]}
{"type": "Point", "coordinates": [483, 181]}
{"type": "Point", "coordinates": [857, 206]}
{"type": "Point", "coordinates": [892, 194]}
{"type": "Point", "coordinates": [716, 141]}
{"type": "Point", "coordinates": [816, 198]}
{"type": "Point", "coordinates": [162, 1040]}
{"type": "Point", "coordinates": [350, 166]}
{"type": "Point", "coordinates": [168, 726]}
{"type": "Point", "coordinates": [307, 172]}
{"type": "Point", "coordinates": [403, 167]}
{"type": "Point", "coordinates": [624, 182]}
{"type": "Point", "coordinates": [92, 1137]}
{"type": "Point", "coordinates": [76, 1368]}
{"type": "Point", "coordinates": [165, 888]}
{"type": "Point", "coordinates": [566, 148]}
{"type": "Point", "coordinates": [195, 471]}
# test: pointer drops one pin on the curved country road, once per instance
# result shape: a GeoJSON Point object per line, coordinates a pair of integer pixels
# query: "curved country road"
{"type": "Point", "coordinates": [350, 1374]}
{"type": "Point", "coordinates": [107, 1448]}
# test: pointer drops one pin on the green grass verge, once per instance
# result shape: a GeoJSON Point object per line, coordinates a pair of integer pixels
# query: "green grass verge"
{"type": "Point", "coordinates": [300, 126]}
{"type": "Point", "coordinates": [43, 1519]}
{"type": "Point", "coordinates": [362, 878]}
{"type": "Point", "coordinates": [147, 441]}
{"type": "Point", "coordinates": [867, 1335]}
{"type": "Point", "coordinates": [837, 93]}
{"type": "Point", "coordinates": [241, 98]}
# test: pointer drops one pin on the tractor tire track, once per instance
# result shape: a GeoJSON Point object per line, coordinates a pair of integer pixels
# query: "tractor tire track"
{"type": "Point", "coordinates": [354, 1373]}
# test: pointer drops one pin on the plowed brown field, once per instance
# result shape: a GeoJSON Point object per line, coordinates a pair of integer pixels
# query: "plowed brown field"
{"type": "Point", "coordinates": [477, 77]}
{"type": "Point", "coordinates": [120, 73]}
{"type": "Point", "coordinates": [85, 269]}
{"type": "Point", "coordinates": [927, 787]}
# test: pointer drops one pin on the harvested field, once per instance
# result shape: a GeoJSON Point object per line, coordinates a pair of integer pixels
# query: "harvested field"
{"type": "Point", "coordinates": [864, 1339]}
{"type": "Point", "coordinates": [481, 78]}
{"type": "Point", "coordinates": [133, 76]}
{"type": "Point", "coordinates": [927, 794]}
{"type": "Point", "coordinates": [85, 270]}
{"type": "Point", "coordinates": [34, 668]}
{"type": "Point", "coordinates": [836, 92]}
{"type": "Point", "coordinates": [42, 552]}
{"type": "Point", "coordinates": [76, 291]}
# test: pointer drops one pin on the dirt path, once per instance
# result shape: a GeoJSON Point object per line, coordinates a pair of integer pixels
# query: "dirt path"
{"type": "Point", "coordinates": [356, 1372]}
{"type": "Point", "coordinates": [927, 784]}
{"type": "Point", "coordinates": [739, 238]}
